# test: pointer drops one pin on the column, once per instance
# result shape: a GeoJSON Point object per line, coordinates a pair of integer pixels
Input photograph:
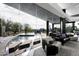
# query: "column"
{"type": "Point", "coordinates": [0, 28]}
{"type": "Point", "coordinates": [63, 22]}
{"type": "Point", "coordinates": [62, 25]}
{"type": "Point", "coordinates": [52, 27]}
{"type": "Point", "coordinates": [73, 26]}
{"type": "Point", "coordinates": [47, 26]}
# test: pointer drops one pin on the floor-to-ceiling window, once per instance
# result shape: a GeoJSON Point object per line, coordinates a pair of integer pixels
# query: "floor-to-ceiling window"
{"type": "Point", "coordinates": [77, 27]}
{"type": "Point", "coordinates": [56, 27]}
{"type": "Point", "coordinates": [69, 27]}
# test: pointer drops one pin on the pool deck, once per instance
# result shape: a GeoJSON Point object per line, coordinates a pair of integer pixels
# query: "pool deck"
{"type": "Point", "coordinates": [71, 48]}
{"type": "Point", "coordinates": [3, 43]}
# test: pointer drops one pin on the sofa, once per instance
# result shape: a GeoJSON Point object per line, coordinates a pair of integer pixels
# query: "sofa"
{"type": "Point", "coordinates": [50, 46]}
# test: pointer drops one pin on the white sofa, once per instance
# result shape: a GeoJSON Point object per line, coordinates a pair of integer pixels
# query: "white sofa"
{"type": "Point", "coordinates": [74, 38]}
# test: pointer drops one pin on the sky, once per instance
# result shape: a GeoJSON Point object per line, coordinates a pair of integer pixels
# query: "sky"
{"type": "Point", "coordinates": [14, 15]}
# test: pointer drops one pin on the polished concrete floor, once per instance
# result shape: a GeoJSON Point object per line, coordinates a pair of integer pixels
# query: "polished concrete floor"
{"type": "Point", "coordinates": [39, 52]}
{"type": "Point", "coordinates": [71, 48]}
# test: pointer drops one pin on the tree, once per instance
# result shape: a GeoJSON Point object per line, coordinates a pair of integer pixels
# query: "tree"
{"type": "Point", "coordinates": [27, 28]}
{"type": "Point", "coordinates": [8, 26]}
{"type": "Point", "coordinates": [69, 29]}
{"type": "Point", "coordinates": [16, 27]}
{"type": "Point", "coordinates": [2, 23]}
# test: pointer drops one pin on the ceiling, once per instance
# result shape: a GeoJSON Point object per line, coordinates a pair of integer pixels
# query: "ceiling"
{"type": "Point", "coordinates": [71, 8]}
{"type": "Point", "coordinates": [52, 8]}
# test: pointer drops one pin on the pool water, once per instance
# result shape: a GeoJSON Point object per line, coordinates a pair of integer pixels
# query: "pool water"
{"type": "Point", "coordinates": [22, 38]}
